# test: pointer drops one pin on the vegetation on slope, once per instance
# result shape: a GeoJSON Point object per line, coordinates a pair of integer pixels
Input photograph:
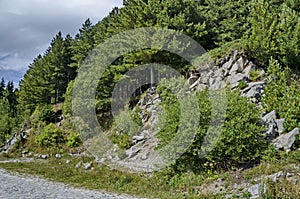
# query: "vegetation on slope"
{"type": "Point", "coordinates": [269, 31]}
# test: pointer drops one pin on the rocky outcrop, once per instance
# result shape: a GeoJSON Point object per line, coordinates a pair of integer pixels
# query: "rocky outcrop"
{"type": "Point", "coordinates": [234, 72]}
{"type": "Point", "coordinates": [141, 156]}
{"type": "Point", "coordinates": [15, 138]}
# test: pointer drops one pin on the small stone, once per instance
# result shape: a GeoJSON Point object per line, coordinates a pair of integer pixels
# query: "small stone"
{"type": "Point", "coordinates": [138, 138]}
{"type": "Point", "coordinates": [24, 151]}
{"type": "Point", "coordinates": [288, 175]}
{"type": "Point", "coordinates": [87, 166]}
{"type": "Point", "coordinates": [58, 156]}
{"type": "Point", "coordinates": [44, 156]}
{"type": "Point", "coordinates": [78, 165]}
{"type": "Point", "coordinates": [68, 162]}
{"type": "Point", "coordinates": [144, 157]}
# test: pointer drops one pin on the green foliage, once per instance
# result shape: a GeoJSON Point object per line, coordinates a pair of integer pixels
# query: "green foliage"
{"type": "Point", "coordinates": [43, 114]}
{"type": "Point", "coordinates": [67, 108]}
{"type": "Point", "coordinates": [242, 84]}
{"type": "Point", "coordinates": [240, 141]}
{"type": "Point", "coordinates": [6, 121]}
{"type": "Point", "coordinates": [282, 94]}
{"type": "Point", "coordinates": [50, 136]}
{"type": "Point", "coordinates": [226, 20]}
{"type": "Point", "coordinates": [271, 154]}
{"type": "Point", "coordinates": [122, 139]}
{"type": "Point", "coordinates": [127, 124]}
{"type": "Point", "coordinates": [274, 33]}
{"type": "Point", "coordinates": [48, 76]}
{"type": "Point", "coordinates": [255, 75]}
{"type": "Point", "coordinates": [73, 140]}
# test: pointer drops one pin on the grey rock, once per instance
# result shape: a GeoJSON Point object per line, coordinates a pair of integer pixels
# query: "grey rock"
{"type": "Point", "coordinates": [195, 84]}
{"type": "Point", "coordinates": [201, 87]}
{"type": "Point", "coordinates": [270, 132]}
{"type": "Point", "coordinates": [285, 141]}
{"type": "Point", "coordinates": [238, 66]}
{"type": "Point", "coordinates": [138, 138]}
{"type": "Point", "coordinates": [25, 152]}
{"type": "Point", "coordinates": [254, 92]}
{"type": "Point", "coordinates": [78, 165]}
{"type": "Point", "coordinates": [144, 157]}
{"type": "Point", "coordinates": [87, 166]}
{"type": "Point", "coordinates": [276, 176]}
{"type": "Point", "coordinates": [250, 67]}
{"type": "Point", "coordinates": [58, 155]}
{"type": "Point", "coordinates": [235, 79]}
{"type": "Point", "coordinates": [279, 124]}
{"type": "Point", "coordinates": [269, 117]}
{"type": "Point", "coordinates": [132, 152]}
{"type": "Point", "coordinates": [228, 64]}
{"type": "Point", "coordinates": [192, 79]}
{"type": "Point", "coordinates": [44, 156]}
{"type": "Point", "coordinates": [256, 190]}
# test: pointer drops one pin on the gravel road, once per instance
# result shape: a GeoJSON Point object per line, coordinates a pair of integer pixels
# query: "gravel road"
{"type": "Point", "coordinates": [15, 186]}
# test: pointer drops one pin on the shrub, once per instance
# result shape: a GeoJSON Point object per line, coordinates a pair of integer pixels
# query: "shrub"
{"type": "Point", "coordinates": [43, 113]}
{"type": "Point", "coordinates": [282, 94]}
{"type": "Point", "coordinates": [274, 33]}
{"type": "Point", "coordinates": [50, 136]}
{"type": "Point", "coordinates": [67, 108]}
{"type": "Point", "coordinates": [240, 141]}
{"type": "Point", "coordinates": [255, 75]}
{"type": "Point", "coordinates": [242, 84]}
{"type": "Point", "coordinates": [73, 140]}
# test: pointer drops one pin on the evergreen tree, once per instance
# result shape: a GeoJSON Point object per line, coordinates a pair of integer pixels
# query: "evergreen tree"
{"type": "Point", "coordinates": [2, 87]}
{"type": "Point", "coordinates": [82, 44]}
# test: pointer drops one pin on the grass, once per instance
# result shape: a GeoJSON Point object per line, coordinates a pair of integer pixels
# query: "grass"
{"type": "Point", "coordinates": [158, 185]}
{"type": "Point", "coordinates": [100, 178]}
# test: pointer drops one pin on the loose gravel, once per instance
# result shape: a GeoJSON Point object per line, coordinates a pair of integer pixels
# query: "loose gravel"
{"type": "Point", "coordinates": [15, 186]}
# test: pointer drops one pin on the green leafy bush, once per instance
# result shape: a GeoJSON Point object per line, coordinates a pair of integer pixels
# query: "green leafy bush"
{"type": "Point", "coordinates": [255, 75]}
{"type": "Point", "coordinates": [50, 136]}
{"type": "Point", "coordinates": [274, 33]}
{"type": "Point", "coordinates": [242, 84]}
{"type": "Point", "coordinates": [282, 94]}
{"type": "Point", "coordinates": [6, 121]}
{"type": "Point", "coordinates": [240, 141]}
{"type": "Point", "coordinates": [43, 113]}
{"type": "Point", "coordinates": [73, 140]}
{"type": "Point", "coordinates": [67, 108]}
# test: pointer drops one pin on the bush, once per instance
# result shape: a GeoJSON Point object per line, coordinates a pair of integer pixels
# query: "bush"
{"type": "Point", "coordinates": [67, 108]}
{"type": "Point", "coordinates": [43, 113]}
{"type": "Point", "coordinates": [240, 141]}
{"type": "Point", "coordinates": [73, 140]}
{"type": "Point", "coordinates": [50, 136]}
{"type": "Point", "coordinates": [282, 94]}
{"type": "Point", "coordinates": [274, 33]}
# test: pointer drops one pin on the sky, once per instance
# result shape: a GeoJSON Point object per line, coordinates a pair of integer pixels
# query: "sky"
{"type": "Point", "coordinates": [28, 26]}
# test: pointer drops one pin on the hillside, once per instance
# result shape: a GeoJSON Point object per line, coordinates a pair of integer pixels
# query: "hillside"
{"type": "Point", "coordinates": [168, 99]}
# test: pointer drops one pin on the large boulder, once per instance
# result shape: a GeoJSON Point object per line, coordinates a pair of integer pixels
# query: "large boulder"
{"type": "Point", "coordinates": [286, 141]}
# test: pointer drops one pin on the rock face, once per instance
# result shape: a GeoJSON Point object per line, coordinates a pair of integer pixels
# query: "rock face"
{"type": "Point", "coordinates": [141, 156]}
{"type": "Point", "coordinates": [16, 137]}
{"type": "Point", "coordinates": [235, 72]}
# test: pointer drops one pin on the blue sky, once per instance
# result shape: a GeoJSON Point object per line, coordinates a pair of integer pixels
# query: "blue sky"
{"type": "Point", "coordinates": [28, 26]}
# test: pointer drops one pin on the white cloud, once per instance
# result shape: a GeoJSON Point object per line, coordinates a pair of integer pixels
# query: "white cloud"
{"type": "Point", "coordinates": [27, 27]}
